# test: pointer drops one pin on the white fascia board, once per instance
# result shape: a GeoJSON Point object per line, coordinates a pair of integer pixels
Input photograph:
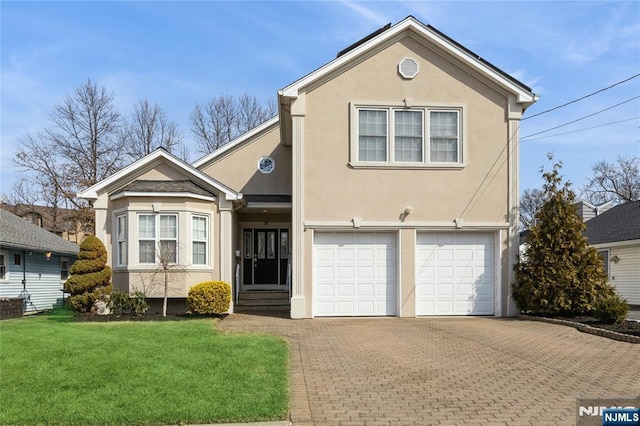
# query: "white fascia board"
{"type": "Point", "coordinates": [237, 141]}
{"type": "Point", "coordinates": [92, 192]}
{"type": "Point", "coordinates": [162, 195]}
{"type": "Point", "coordinates": [524, 96]}
{"type": "Point", "coordinates": [617, 244]}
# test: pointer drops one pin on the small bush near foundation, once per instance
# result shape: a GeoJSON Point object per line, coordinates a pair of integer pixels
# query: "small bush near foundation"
{"type": "Point", "coordinates": [138, 303]}
{"type": "Point", "coordinates": [611, 309]}
{"type": "Point", "coordinates": [122, 302]}
{"type": "Point", "coordinates": [209, 297]}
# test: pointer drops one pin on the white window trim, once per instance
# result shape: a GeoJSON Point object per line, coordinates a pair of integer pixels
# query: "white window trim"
{"type": "Point", "coordinates": [65, 259]}
{"type": "Point", "coordinates": [354, 161]}
{"type": "Point", "coordinates": [157, 239]}
{"type": "Point", "coordinates": [6, 266]}
{"type": "Point", "coordinates": [117, 239]}
{"type": "Point", "coordinates": [207, 241]}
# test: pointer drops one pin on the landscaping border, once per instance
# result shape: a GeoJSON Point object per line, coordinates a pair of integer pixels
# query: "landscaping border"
{"type": "Point", "coordinates": [585, 328]}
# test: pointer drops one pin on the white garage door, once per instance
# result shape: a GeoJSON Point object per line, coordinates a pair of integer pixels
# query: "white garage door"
{"type": "Point", "coordinates": [455, 274]}
{"type": "Point", "coordinates": [354, 274]}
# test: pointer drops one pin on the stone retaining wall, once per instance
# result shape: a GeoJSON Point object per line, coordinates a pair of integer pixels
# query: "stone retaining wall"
{"type": "Point", "coordinates": [11, 307]}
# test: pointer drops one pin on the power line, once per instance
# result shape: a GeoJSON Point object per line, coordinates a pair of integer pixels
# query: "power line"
{"type": "Point", "coordinates": [584, 97]}
{"type": "Point", "coordinates": [581, 130]}
{"type": "Point", "coordinates": [581, 118]}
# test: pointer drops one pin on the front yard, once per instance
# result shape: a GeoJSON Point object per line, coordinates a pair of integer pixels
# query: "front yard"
{"type": "Point", "coordinates": [57, 371]}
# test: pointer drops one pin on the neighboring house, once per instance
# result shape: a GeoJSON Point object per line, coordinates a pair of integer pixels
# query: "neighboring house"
{"type": "Point", "coordinates": [588, 211]}
{"type": "Point", "coordinates": [66, 223]}
{"type": "Point", "coordinates": [616, 235]}
{"type": "Point", "coordinates": [387, 185]}
{"type": "Point", "coordinates": [34, 263]}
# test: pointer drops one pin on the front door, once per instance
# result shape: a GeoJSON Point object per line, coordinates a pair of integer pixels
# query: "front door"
{"type": "Point", "coordinates": [265, 258]}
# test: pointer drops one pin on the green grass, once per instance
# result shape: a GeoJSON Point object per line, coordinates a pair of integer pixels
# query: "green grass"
{"type": "Point", "coordinates": [56, 371]}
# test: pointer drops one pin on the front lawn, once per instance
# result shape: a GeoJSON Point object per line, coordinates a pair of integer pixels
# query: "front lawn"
{"type": "Point", "coordinates": [57, 371]}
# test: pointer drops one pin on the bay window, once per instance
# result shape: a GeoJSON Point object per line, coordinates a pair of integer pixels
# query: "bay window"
{"type": "Point", "coordinates": [199, 240]}
{"type": "Point", "coordinates": [121, 234]}
{"type": "Point", "coordinates": [157, 238]}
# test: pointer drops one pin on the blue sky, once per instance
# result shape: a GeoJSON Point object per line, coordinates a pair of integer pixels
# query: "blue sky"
{"type": "Point", "coordinates": [179, 53]}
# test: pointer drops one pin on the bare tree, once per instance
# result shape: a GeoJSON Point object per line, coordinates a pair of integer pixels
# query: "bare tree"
{"type": "Point", "coordinates": [530, 202]}
{"type": "Point", "coordinates": [79, 148]}
{"type": "Point", "coordinates": [618, 181]}
{"type": "Point", "coordinates": [148, 129]}
{"type": "Point", "coordinates": [223, 118]}
{"type": "Point", "coordinates": [251, 113]}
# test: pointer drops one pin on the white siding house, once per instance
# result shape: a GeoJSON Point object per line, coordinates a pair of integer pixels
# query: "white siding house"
{"type": "Point", "coordinates": [616, 235]}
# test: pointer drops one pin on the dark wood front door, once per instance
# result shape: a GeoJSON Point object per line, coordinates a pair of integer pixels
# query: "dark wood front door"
{"type": "Point", "coordinates": [265, 257]}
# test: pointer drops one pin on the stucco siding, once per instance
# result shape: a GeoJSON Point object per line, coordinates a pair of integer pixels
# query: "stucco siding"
{"type": "Point", "coordinates": [476, 192]}
{"type": "Point", "coordinates": [238, 167]}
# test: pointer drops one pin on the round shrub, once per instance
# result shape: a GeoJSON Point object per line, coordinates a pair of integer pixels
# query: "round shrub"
{"type": "Point", "coordinates": [611, 309]}
{"type": "Point", "coordinates": [209, 297]}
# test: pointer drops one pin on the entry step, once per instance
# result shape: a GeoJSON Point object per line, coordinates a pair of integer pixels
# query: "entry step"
{"type": "Point", "coordinates": [263, 298]}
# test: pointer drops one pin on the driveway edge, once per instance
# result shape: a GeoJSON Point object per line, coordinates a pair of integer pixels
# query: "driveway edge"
{"type": "Point", "coordinates": [585, 328]}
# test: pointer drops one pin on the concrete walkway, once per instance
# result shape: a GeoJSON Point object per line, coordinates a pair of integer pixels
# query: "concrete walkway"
{"type": "Point", "coordinates": [422, 371]}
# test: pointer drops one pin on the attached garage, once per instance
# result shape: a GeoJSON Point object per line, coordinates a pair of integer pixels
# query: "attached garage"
{"type": "Point", "coordinates": [455, 273]}
{"type": "Point", "coordinates": [354, 274]}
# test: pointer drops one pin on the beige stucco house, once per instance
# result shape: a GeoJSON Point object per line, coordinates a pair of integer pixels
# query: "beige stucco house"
{"type": "Point", "coordinates": [387, 185]}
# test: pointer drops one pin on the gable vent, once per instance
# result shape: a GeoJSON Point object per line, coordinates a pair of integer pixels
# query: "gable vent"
{"type": "Point", "coordinates": [408, 68]}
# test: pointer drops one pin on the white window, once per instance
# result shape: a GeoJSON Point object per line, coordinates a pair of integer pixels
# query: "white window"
{"type": "Point", "coordinates": [157, 238]}
{"type": "Point", "coordinates": [3, 266]}
{"type": "Point", "coordinates": [417, 136]}
{"type": "Point", "coordinates": [64, 268]}
{"type": "Point", "coordinates": [121, 234]}
{"type": "Point", "coordinates": [199, 240]}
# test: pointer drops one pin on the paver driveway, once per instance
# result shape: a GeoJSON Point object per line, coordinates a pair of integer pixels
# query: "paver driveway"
{"type": "Point", "coordinates": [403, 371]}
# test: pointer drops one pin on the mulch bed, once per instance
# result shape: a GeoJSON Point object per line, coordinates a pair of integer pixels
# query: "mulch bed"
{"type": "Point", "coordinates": [90, 317]}
{"type": "Point", "coordinates": [627, 331]}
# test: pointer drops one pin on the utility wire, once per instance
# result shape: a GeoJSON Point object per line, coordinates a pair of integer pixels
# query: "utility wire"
{"type": "Point", "coordinates": [582, 130]}
{"type": "Point", "coordinates": [579, 99]}
{"type": "Point", "coordinates": [581, 118]}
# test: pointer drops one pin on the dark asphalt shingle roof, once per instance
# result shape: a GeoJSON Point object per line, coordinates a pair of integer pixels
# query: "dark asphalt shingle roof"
{"type": "Point", "coordinates": [620, 223]}
{"type": "Point", "coordinates": [17, 233]}
{"type": "Point", "coordinates": [166, 186]}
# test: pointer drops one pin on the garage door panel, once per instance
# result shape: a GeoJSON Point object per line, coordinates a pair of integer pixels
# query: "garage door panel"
{"type": "Point", "coordinates": [455, 274]}
{"type": "Point", "coordinates": [364, 277]}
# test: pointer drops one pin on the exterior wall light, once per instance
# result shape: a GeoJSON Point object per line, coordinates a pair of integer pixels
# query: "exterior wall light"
{"type": "Point", "coordinates": [615, 259]}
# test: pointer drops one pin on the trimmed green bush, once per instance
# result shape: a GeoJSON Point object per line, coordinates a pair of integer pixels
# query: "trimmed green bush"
{"type": "Point", "coordinates": [611, 310]}
{"type": "Point", "coordinates": [90, 276]}
{"type": "Point", "coordinates": [209, 297]}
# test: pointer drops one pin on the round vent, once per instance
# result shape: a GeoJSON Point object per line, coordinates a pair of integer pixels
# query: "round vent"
{"type": "Point", "coordinates": [408, 68]}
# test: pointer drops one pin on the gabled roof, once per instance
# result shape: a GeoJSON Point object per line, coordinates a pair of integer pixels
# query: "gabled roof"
{"type": "Point", "coordinates": [621, 223]}
{"type": "Point", "coordinates": [17, 233]}
{"type": "Point", "coordinates": [238, 141]}
{"type": "Point", "coordinates": [412, 25]}
{"type": "Point", "coordinates": [147, 163]}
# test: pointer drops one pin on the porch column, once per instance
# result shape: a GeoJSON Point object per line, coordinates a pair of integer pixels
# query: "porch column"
{"type": "Point", "coordinates": [298, 305]}
{"type": "Point", "coordinates": [226, 245]}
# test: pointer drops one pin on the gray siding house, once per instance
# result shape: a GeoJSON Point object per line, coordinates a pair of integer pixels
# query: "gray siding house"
{"type": "Point", "coordinates": [34, 263]}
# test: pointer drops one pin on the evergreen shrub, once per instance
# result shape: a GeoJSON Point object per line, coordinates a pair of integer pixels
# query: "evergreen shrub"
{"type": "Point", "coordinates": [90, 279]}
{"type": "Point", "coordinates": [209, 297]}
{"type": "Point", "coordinates": [611, 310]}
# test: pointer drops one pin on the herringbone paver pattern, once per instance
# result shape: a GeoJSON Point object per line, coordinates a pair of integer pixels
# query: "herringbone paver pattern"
{"type": "Point", "coordinates": [422, 371]}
